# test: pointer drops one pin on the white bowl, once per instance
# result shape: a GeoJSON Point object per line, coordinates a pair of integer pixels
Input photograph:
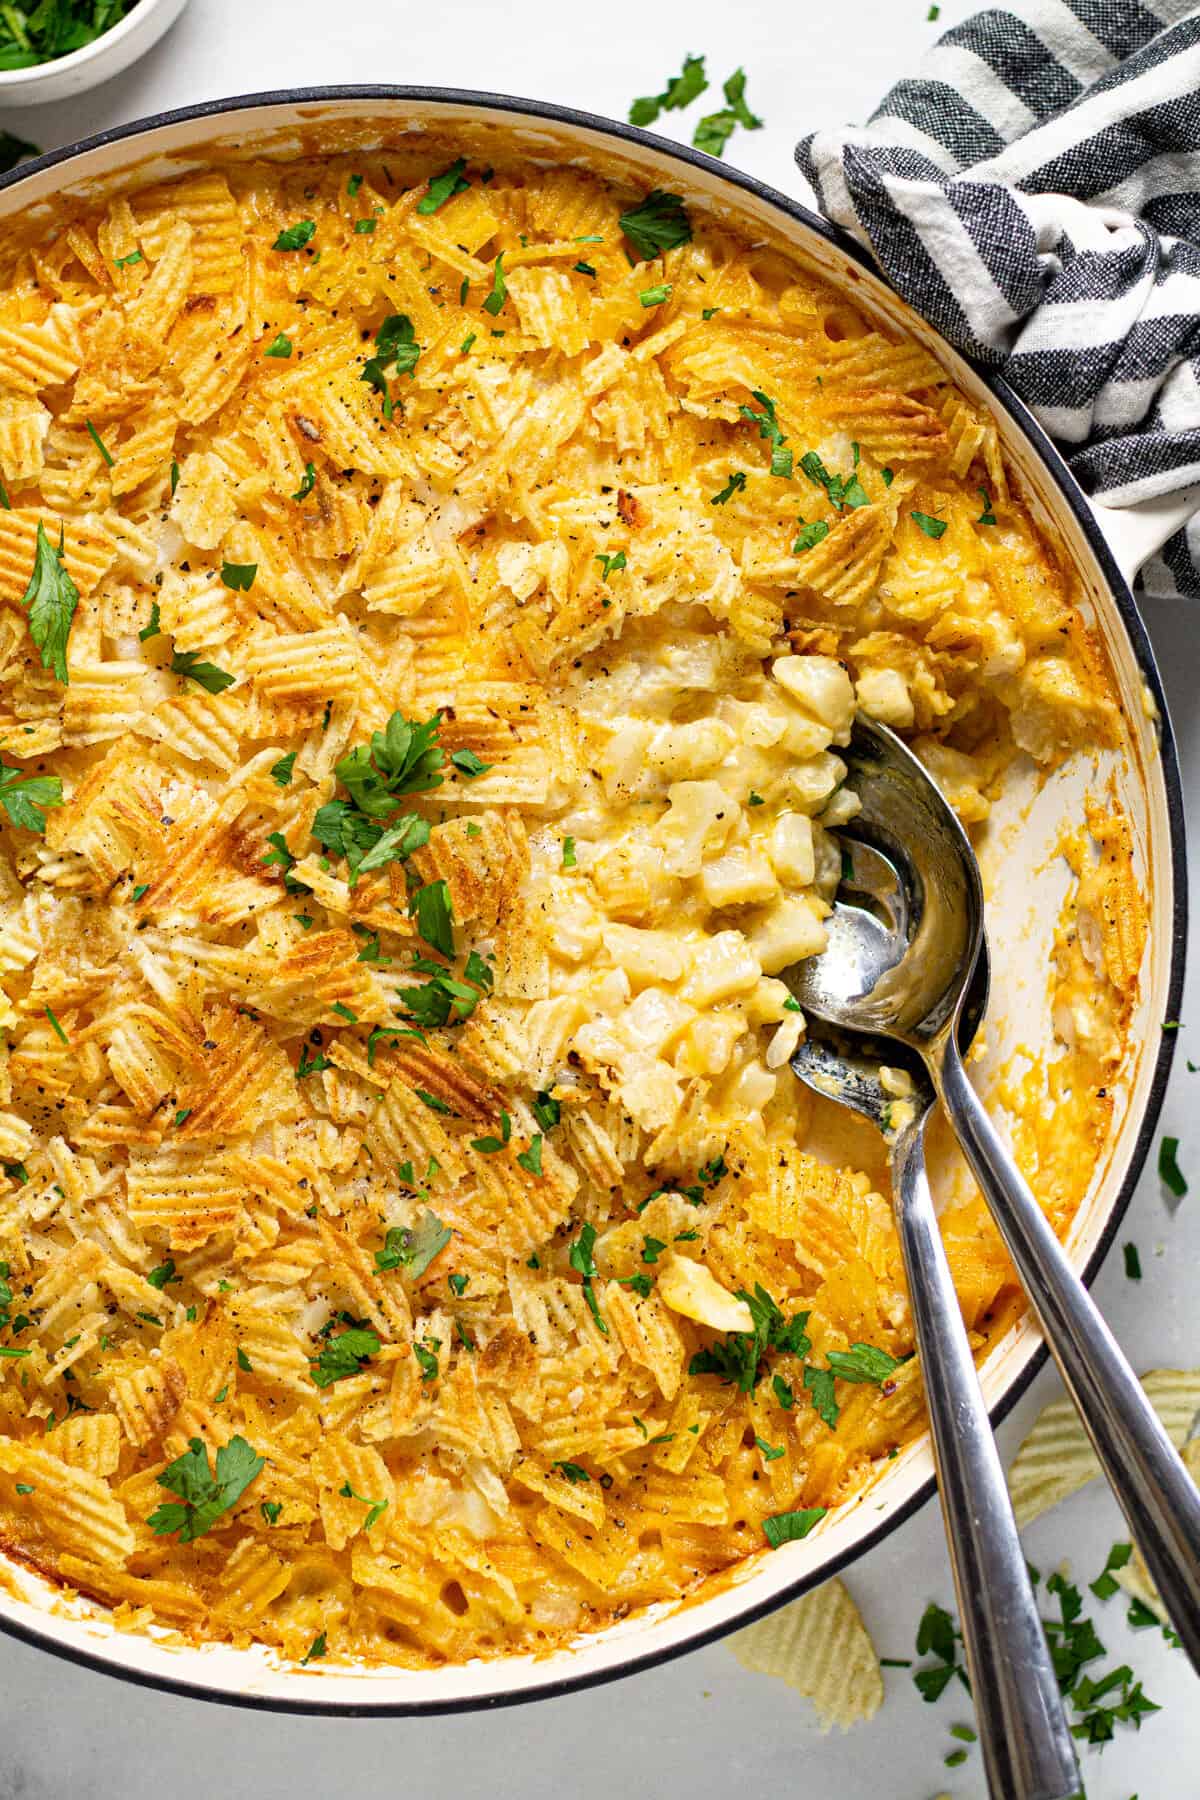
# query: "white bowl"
{"type": "Point", "coordinates": [109, 55]}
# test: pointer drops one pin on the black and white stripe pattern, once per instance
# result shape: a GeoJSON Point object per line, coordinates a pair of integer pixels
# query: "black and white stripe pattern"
{"type": "Point", "coordinates": [1035, 191]}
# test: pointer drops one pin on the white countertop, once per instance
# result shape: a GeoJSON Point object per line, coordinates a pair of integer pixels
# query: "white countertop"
{"type": "Point", "coordinates": [702, 1725]}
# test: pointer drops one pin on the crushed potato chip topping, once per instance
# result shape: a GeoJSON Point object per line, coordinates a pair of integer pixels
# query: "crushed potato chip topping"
{"type": "Point", "coordinates": [422, 680]}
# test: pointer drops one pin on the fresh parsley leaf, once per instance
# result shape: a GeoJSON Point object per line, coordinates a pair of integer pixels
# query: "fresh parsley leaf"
{"type": "Point", "coordinates": [499, 293]}
{"type": "Point", "coordinates": [573, 1472]}
{"type": "Point", "coordinates": [660, 223]}
{"type": "Point", "coordinates": [468, 764]}
{"type": "Point", "coordinates": [1170, 1174]}
{"type": "Point", "coordinates": [783, 1392]}
{"type": "Point", "coordinates": [59, 1033]}
{"type": "Point", "coordinates": [433, 1102]}
{"type": "Point", "coordinates": [282, 346]}
{"type": "Point", "coordinates": [295, 237]}
{"type": "Point", "coordinates": [396, 844]}
{"type": "Point", "coordinates": [127, 262]}
{"type": "Point", "coordinates": [582, 1260]}
{"type": "Point", "coordinates": [51, 599]}
{"type": "Point", "coordinates": [433, 911]}
{"type": "Point", "coordinates": [239, 576]}
{"type": "Point", "coordinates": [655, 296]}
{"type": "Point", "coordinates": [396, 352]}
{"type": "Point", "coordinates": [165, 1272]}
{"type": "Point", "coordinates": [427, 1357]}
{"type": "Point", "coordinates": [101, 446]}
{"type": "Point", "coordinates": [679, 92]}
{"type": "Point", "coordinates": [491, 1146]}
{"type": "Point", "coordinates": [281, 772]}
{"type": "Point", "coordinates": [270, 1510]}
{"type": "Point", "coordinates": [809, 535]}
{"type": "Point", "coordinates": [610, 564]}
{"type": "Point", "coordinates": [531, 1159]}
{"type": "Point", "coordinates": [307, 484]}
{"type": "Point", "coordinates": [188, 664]}
{"type": "Point", "coordinates": [344, 1355]}
{"type": "Point", "coordinates": [25, 798]}
{"type": "Point", "coordinates": [364, 227]}
{"type": "Point", "coordinates": [820, 1384]}
{"type": "Point", "coordinates": [441, 187]}
{"type": "Point", "coordinates": [737, 1357]}
{"type": "Point", "coordinates": [203, 1495]}
{"type": "Point", "coordinates": [315, 1649]}
{"type": "Point", "coordinates": [987, 516]}
{"type": "Point", "coordinates": [788, 1527]}
{"type": "Point", "coordinates": [736, 480]}
{"type": "Point", "coordinates": [413, 1247]}
{"type": "Point", "coordinates": [311, 1062]}
{"type": "Point", "coordinates": [1133, 1262]}
{"type": "Point", "coordinates": [569, 859]}
{"type": "Point", "coordinates": [933, 528]}
{"type": "Point", "coordinates": [771, 1452]}
{"type": "Point", "coordinates": [769, 428]}
{"type": "Point", "coordinates": [154, 628]}
{"type": "Point", "coordinates": [546, 1110]}
{"type": "Point", "coordinates": [863, 1363]}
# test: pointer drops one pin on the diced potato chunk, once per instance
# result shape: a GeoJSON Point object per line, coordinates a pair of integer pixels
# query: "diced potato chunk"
{"type": "Point", "coordinates": [724, 965]}
{"type": "Point", "coordinates": [789, 931]}
{"type": "Point", "coordinates": [792, 850]}
{"type": "Point", "coordinates": [742, 877]}
{"type": "Point", "coordinates": [699, 818]}
{"type": "Point", "coordinates": [884, 694]}
{"type": "Point", "coordinates": [682, 751]}
{"type": "Point", "coordinates": [687, 1287]}
{"type": "Point", "coordinates": [645, 955]}
{"type": "Point", "coordinates": [821, 686]}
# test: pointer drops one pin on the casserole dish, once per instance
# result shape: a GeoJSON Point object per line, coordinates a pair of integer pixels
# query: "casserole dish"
{"type": "Point", "coordinates": [1026, 828]}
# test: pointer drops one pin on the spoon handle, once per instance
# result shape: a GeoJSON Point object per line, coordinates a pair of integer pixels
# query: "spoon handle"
{"type": "Point", "coordinates": [1155, 1491]}
{"type": "Point", "coordinates": [1026, 1744]}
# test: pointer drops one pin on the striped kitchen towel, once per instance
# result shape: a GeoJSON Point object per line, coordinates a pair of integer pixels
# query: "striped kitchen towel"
{"type": "Point", "coordinates": [1034, 191]}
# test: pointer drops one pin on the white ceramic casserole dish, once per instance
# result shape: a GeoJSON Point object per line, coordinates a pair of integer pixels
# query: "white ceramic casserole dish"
{"type": "Point", "coordinates": [1105, 548]}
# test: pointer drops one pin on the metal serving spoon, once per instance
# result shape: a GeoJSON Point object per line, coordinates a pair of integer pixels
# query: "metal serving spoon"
{"type": "Point", "coordinates": [902, 986]}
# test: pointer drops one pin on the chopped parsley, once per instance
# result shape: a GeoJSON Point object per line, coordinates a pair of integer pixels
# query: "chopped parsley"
{"type": "Point", "coordinates": [25, 797]}
{"type": "Point", "coordinates": [655, 296]}
{"type": "Point", "coordinates": [843, 490]}
{"type": "Point", "coordinates": [531, 1159]}
{"type": "Point", "coordinates": [282, 346]}
{"type": "Point", "coordinates": [207, 675]}
{"type": "Point", "coordinates": [933, 528]}
{"type": "Point", "coordinates": [165, 1272]}
{"type": "Point", "coordinates": [295, 237]}
{"type": "Point", "coordinates": [307, 484]}
{"type": "Point", "coordinates": [397, 351]}
{"type": "Point", "coordinates": [364, 227]}
{"type": "Point", "coordinates": [154, 628]}
{"type": "Point", "coordinates": [413, 1247]}
{"type": "Point", "coordinates": [58, 1030]}
{"type": "Point", "coordinates": [468, 764]}
{"type": "Point", "coordinates": [202, 1493]}
{"type": "Point", "coordinates": [610, 564]}
{"type": "Point", "coordinates": [101, 446]}
{"type": "Point", "coordinates": [572, 1472]}
{"type": "Point", "coordinates": [987, 516]}
{"type": "Point", "coordinates": [281, 772]}
{"type": "Point", "coordinates": [736, 481]}
{"type": "Point", "coordinates": [315, 1649]}
{"type": "Point", "coordinates": [433, 910]}
{"type": "Point", "coordinates": [738, 1356]}
{"type": "Point", "coordinates": [499, 293]}
{"type": "Point", "coordinates": [441, 187]}
{"type": "Point", "coordinates": [1133, 1263]}
{"type": "Point", "coordinates": [270, 1510]}
{"type": "Point", "coordinates": [51, 599]}
{"type": "Point", "coordinates": [809, 535]}
{"type": "Point", "coordinates": [426, 1354]}
{"type": "Point", "coordinates": [491, 1146]}
{"type": "Point", "coordinates": [1170, 1173]}
{"type": "Point", "coordinates": [546, 1110]}
{"type": "Point", "coordinates": [569, 859]}
{"type": "Point", "coordinates": [583, 1261]}
{"type": "Point", "coordinates": [344, 1355]}
{"type": "Point", "coordinates": [239, 576]}
{"type": "Point", "coordinates": [770, 428]}
{"type": "Point", "coordinates": [787, 1527]}
{"type": "Point", "coordinates": [658, 224]}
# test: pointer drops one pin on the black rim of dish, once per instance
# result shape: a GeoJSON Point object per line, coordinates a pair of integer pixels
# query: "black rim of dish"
{"type": "Point", "coordinates": [1073, 496]}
